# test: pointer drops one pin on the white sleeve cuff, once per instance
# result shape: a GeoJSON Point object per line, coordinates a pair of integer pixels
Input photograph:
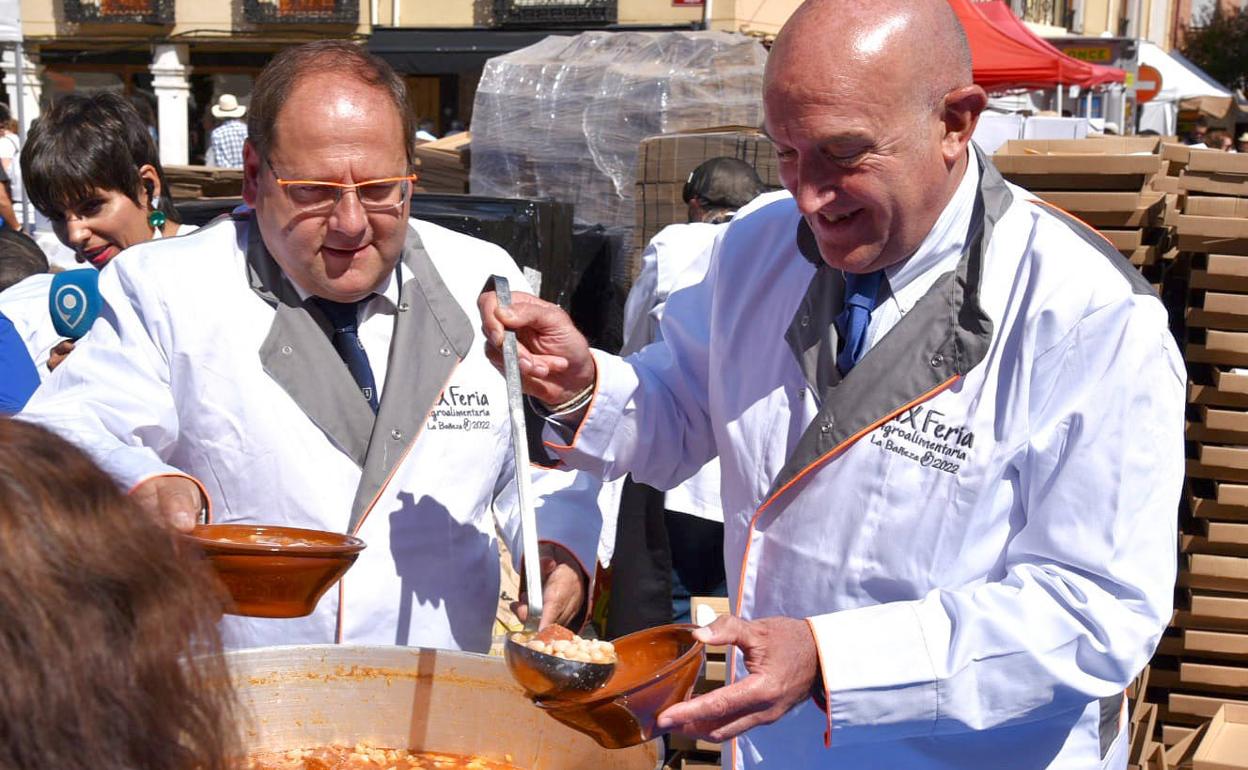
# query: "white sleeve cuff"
{"type": "Point", "coordinates": [877, 673]}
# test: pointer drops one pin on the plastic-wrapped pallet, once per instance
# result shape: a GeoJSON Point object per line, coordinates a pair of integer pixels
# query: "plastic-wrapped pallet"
{"type": "Point", "coordinates": [563, 118]}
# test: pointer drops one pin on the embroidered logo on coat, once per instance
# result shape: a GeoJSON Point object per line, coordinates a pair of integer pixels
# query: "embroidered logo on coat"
{"type": "Point", "coordinates": [926, 436]}
{"type": "Point", "coordinates": [460, 408]}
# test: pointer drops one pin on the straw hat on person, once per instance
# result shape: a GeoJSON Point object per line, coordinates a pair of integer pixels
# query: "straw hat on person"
{"type": "Point", "coordinates": [227, 106]}
{"type": "Point", "coordinates": [1243, 137]}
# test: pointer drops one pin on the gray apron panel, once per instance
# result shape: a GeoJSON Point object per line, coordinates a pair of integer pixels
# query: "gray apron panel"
{"type": "Point", "coordinates": [299, 356]}
{"type": "Point", "coordinates": [432, 335]}
{"type": "Point", "coordinates": [944, 336]}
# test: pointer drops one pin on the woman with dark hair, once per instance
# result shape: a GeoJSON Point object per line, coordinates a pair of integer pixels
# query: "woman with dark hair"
{"type": "Point", "coordinates": [109, 643]}
{"type": "Point", "coordinates": [91, 167]}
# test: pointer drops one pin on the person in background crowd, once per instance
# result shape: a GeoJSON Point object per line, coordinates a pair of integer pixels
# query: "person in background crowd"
{"type": "Point", "coordinates": [1241, 144]}
{"type": "Point", "coordinates": [92, 169]}
{"type": "Point", "coordinates": [669, 546]}
{"type": "Point", "coordinates": [109, 647]}
{"type": "Point", "coordinates": [8, 215]}
{"type": "Point", "coordinates": [457, 127]}
{"type": "Point", "coordinates": [1196, 137]}
{"type": "Point", "coordinates": [1219, 139]}
{"type": "Point", "coordinates": [225, 145]}
{"type": "Point", "coordinates": [142, 103]}
{"type": "Point", "coordinates": [949, 421]}
{"type": "Point", "coordinates": [10, 153]}
{"type": "Point", "coordinates": [311, 361]}
{"type": "Point", "coordinates": [425, 130]}
{"type": "Point", "coordinates": [18, 378]}
{"type": "Point", "coordinates": [20, 258]}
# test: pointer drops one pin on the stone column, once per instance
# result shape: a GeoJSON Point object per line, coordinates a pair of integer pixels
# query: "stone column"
{"type": "Point", "coordinates": [170, 81]}
{"type": "Point", "coordinates": [32, 86]}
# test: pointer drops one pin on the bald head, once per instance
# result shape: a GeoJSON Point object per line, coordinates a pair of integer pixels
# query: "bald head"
{"type": "Point", "coordinates": [917, 44]}
{"type": "Point", "coordinates": [871, 107]}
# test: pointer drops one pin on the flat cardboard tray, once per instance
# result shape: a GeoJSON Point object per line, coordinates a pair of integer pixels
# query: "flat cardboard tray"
{"type": "Point", "coordinates": [1199, 706]}
{"type": "Point", "coordinates": [1210, 611]}
{"type": "Point", "coordinates": [1213, 235]}
{"type": "Point", "coordinates": [1203, 279]}
{"type": "Point", "coordinates": [1207, 509]}
{"type": "Point", "coordinates": [1206, 677]}
{"type": "Point", "coordinates": [1201, 469]}
{"type": "Point", "coordinates": [1216, 206]}
{"type": "Point", "coordinates": [1213, 183]}
{"type": "Point", "coordinates": [1225, 394]}
{"type": "Point", "coordinates": [1216, 644]}
{"type": "Point", "coordinates": [1215, 573]}
{"type": "Point", "coordinates": [1110, 209]}
{"type": "Point", "coordinates": [1212, 161]}
{"type": "Point", "coordinates": [1225, 744]}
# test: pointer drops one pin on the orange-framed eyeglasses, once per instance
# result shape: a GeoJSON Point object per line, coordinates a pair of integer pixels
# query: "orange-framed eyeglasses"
{"type": "Point", "coordinates": [382, 196]}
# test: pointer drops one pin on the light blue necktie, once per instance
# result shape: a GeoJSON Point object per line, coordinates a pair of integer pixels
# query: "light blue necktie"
{"type": "Point", "coordinates": [345, 318]}
{"type": "Point", "coordinates": [852, 321]}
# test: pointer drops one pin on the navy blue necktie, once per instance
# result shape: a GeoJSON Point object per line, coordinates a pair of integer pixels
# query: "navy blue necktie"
{"type": "Point", "coordinates": [345, 318]}
{"type": "Point", "coordinates": [852, 321]}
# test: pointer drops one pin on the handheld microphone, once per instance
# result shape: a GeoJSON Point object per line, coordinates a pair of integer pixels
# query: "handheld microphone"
{"type": "Point", "coordinates": [74, 302]}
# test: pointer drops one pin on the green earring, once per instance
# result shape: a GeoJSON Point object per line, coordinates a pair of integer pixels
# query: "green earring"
{"type": "Point", "coordinates": [157, 219]}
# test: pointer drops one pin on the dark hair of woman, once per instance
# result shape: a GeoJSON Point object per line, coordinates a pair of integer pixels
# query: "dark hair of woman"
{"type": "Point", "coordinates": [108, 640]}
{"type": "Point", "coordinates": [86, 143]}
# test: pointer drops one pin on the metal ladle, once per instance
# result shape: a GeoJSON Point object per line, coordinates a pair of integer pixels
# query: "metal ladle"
{"type": "Point", "coordinates": [541, 675]}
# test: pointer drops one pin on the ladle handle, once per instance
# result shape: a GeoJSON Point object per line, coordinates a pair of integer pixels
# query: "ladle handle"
{"type": "Point", "coordinates": [520, 456]}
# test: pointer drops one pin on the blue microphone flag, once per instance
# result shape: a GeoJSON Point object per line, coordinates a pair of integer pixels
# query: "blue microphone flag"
{"type": "Point", "coordinates": [74, 302]}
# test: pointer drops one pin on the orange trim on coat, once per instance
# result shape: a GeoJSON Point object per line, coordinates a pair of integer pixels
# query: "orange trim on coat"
{"type": "Point", "coordinates": [1101, 235]}
{"type": "Point", "coordinates": [382, 488]}
{"type": "Point", "coordinates": [839, 448]}
{"type": "Point", "coordinates": [827, 694]}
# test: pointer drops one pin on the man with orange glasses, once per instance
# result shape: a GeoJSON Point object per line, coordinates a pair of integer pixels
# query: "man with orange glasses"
{"type": "Point", "coordinates": [312, 363]}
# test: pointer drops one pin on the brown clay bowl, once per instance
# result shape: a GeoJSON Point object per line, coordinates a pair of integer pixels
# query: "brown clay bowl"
{"type": "Point", "coordinates": [656, 668]}
{"type": "Point", "coordinates": [274, 572]}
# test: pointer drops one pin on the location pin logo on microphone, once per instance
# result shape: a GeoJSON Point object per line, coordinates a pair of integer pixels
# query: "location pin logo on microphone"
{"type": "Point", "coordinates": [74, 302]}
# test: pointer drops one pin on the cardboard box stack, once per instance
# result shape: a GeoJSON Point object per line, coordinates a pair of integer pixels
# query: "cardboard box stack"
{"type": "Point", "coordinates": [444, 164]}
{"type": "Point", "coordinates": [194, 182]}
{"type": "Point", "coordinates": [1202, 664]}
{"type": "Point", "coordinates": [664, 163]}
{"type": "Point", "coordinates": [690, 754]}
{"type": "Point", "coordinates": [1106, 182]}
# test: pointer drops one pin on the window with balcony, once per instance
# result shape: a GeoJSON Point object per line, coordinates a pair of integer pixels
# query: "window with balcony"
{"type": "Point", "coordinates": [117, 11]}
{"type": "Point", "coordinates": [302, 11]}
{"type": "Point", "coordinates": [552, 13]}
{"type": "Point", "coordinates": [1054, 13]}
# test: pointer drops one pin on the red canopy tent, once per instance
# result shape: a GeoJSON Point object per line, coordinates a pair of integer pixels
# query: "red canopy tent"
{"type": "Point", "coordinates": [1001, 62]}
{"type": "Point", "coordinates": [1086, 74]}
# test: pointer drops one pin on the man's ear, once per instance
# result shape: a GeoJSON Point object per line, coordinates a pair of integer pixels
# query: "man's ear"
{"type": "Point", "coordinates": [962, 107]}
{"type": "Point", "coordinates": [251, 173]}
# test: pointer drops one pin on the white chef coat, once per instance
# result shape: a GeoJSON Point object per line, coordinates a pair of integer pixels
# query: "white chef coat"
{"type": "Point", "coordinates": [676, 257]}
{"type": "Point", "coordinates": [977, 521]}
{"type": "Point", "coordinates": [231, 379]}
{"type": "Point", "coordinates": [26, 305]}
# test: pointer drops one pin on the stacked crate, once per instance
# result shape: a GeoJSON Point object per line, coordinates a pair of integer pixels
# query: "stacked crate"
{"type": "Point", "coordinates": [1107, 183]}
{"type": "Point", "coordinates": [687, 753]}
{"type": "Point", "coordinates": [444, 164]}
{"type": "Point", "coordinates": [664, 163]}
{"type": "Point", "coordinates": [1202, 662]}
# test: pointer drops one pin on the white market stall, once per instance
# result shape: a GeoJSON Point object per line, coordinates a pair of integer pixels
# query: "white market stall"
{"type": "Point", "coordinates": [1180, 80]}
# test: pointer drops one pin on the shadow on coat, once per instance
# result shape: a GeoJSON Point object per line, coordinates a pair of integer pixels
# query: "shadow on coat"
{"type": "Point", "coordinates": [436, 556]}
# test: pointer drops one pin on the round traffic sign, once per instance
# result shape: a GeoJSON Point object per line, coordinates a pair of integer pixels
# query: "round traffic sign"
{"type": "Point", "coordinates": [1147, 84]}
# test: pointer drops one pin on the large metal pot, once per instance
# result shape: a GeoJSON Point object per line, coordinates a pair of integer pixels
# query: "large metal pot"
{"type": "Point", "coordinates": [406, 697]}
